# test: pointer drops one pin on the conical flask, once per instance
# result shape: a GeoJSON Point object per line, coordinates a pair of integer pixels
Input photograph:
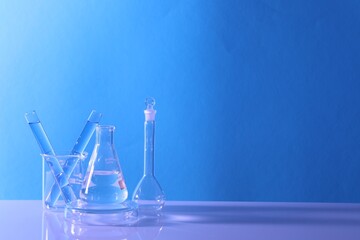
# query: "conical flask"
{"type": "Point", "coordinates": [148, 193]}
{"type": "Point", "coordinates": [104, 181]}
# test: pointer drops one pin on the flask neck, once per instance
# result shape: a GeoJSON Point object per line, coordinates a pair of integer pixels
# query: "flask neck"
{"type": "Point", "coordinates": [149, 141]}
{"type": "Point", "coordinates": [105, 135]}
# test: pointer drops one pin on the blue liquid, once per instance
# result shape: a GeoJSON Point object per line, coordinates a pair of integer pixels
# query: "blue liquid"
{"type": "Point", "coordinates": [84, 138]}
{"type": "Point", "coordinates": [71, 162]}
{"type": "Point", "coordinates": [53, 163]}
{"type": "Point", "coordinates": [41, 138]}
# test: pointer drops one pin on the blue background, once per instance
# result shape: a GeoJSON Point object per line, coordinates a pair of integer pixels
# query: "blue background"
{"type": "Point", "coordinates": [257, 100]}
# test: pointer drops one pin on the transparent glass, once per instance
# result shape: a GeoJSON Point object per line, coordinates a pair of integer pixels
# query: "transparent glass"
{"type": "Point", "coordinates": [104, 181]}
{"type": "Point", "coordinates": [103, 192]}
{"type": "Point", "coordinates": [61, 171]}
{"type": "Point", "coordinates": [48, 181]}
{"type": "Point", "coordinates": [148, 193]}
{"type": "Point", "coordinates": [79, 147]}
{"type": "Point", "coordinates": [59, 176]}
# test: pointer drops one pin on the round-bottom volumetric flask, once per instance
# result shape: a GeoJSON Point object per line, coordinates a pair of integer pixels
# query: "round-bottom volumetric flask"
{"type": "Point", "coordinates": [149, 196]}
{"type": "Point", "coordinates": [148, 193]}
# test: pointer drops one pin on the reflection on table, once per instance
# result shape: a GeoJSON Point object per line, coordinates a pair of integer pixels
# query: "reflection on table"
{"type": "Point", "coordinates": [193, 220]}
{"type": "Point", "coordinates": [55, 227]}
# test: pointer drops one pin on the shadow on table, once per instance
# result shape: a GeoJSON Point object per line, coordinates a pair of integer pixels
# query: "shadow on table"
{"type": "Point", "coordinates": [265, 214]}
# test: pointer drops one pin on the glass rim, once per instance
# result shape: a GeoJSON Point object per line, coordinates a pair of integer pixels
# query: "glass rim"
{"type": "Point", "coordinates": [111, 127]}
{"type": "Point", "coordinates": [66, 155]}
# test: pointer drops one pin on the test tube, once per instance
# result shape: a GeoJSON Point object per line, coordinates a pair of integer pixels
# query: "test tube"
{"type": "Point", "coordinates": [78, 148]}
{"type": "Point", "coordinates": [46, 148]}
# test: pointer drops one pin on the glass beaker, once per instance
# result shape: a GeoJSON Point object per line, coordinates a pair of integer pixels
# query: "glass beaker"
{"type": "Point", "coordinates": [48, 181]}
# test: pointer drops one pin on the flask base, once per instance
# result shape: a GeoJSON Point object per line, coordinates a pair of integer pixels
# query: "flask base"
{"type": "Point", "coordinates": [123, 214]}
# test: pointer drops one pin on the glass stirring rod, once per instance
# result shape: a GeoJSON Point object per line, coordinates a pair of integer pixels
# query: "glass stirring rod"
{"type": "Point", "coordinates": [46, 148]}
{"type": "Point", "coordinates": [78, 148]}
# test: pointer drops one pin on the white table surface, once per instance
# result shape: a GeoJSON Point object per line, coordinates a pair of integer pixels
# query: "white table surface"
{"type": "Point", "coordinates": [194, 220]}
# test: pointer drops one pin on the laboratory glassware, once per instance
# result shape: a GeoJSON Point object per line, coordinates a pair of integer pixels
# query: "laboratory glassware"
{"type": "Point", "coordinates": [103, 194]}
{"type": "Point", "coordinates": [78, 149]}
{"type": "Point", "coordinates": [104, 181]}
{"type": "Point", "coordinates": [48, 179]}
{"type": "Point", "coordinates": [148, 193]}
{"type": "Point", "coordinates": [60, 177]}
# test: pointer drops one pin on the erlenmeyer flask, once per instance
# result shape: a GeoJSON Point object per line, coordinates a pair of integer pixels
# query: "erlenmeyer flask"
{"type": "Point", "coordinates": [104, 182]}
{"type": "Point", "coordinates": [148, 193]}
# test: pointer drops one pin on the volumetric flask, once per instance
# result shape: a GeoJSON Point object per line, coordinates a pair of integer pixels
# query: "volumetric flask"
{"type": "Point", "coordinates": [148, 193]}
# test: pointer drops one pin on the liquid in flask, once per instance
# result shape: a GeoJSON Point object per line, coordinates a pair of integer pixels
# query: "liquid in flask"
{"type": "Point", "coordinates": [104, 181]}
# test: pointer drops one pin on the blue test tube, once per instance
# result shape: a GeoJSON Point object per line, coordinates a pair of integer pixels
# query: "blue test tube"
{"type": "Point", "coordinates": [46, 148]}
{"type": "Point", "coordinates": [78, 148]}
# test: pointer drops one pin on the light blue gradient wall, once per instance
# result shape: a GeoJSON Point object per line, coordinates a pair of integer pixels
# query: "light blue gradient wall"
{"type": "Point", "coordinates": [257, 100]}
